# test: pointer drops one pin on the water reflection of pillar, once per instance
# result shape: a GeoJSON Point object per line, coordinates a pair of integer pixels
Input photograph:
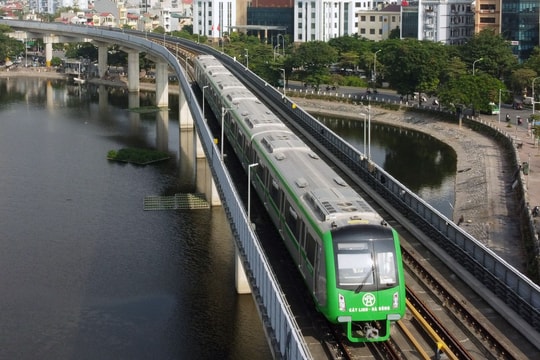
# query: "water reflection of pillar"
{"type": "Point", "coordinates": [162, 130]}
{"type": "Point", "coordinates": [134, 102]}
{"type": "Point", "coordinates": [50, 96]}
{"type": "Point", "coordinates": [103, 99]}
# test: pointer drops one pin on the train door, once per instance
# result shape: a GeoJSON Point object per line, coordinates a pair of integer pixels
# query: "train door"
{"type": "Point", "coordinates": [302, 265]}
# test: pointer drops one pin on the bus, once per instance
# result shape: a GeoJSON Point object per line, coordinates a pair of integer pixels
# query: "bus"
{"type": "Point", "coordinates": [493, 109]}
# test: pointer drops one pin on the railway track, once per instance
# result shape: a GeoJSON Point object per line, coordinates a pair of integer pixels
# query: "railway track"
{"type": "Point", "coordinates": [441, 320]}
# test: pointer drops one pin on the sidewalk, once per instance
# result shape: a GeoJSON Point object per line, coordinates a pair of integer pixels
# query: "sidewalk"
{"type": "Point", "coordinates": [484, 194]}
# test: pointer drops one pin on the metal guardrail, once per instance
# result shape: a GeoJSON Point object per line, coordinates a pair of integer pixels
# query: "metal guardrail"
{"type": "Point", "coordinates": [280, 325]}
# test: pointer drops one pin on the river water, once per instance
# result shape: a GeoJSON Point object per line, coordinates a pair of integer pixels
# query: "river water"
{"type": "Point", "coordinates": [86, 273]}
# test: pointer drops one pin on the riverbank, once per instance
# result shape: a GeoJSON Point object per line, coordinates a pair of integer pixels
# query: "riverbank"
{"type": "Point", "coordinates": [34, 72]}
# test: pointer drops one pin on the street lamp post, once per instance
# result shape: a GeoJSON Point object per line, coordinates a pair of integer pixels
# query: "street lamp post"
{"type": "Point", "coordinates": [500, 105]}
{"type": "Point", "coordinates": [369, 133]}
{"type": "Point", "coordinates": [247, 59]}
{"type": "Point", "coordinates": [533, 100]}
{"type": "Point", "coordinates": [284, 94]}
{"type": "Point", "coordinates": [474, 63]}
{"type": "Point", "coordinates": [365, 128]}
{"type": "Point", "coordinates": [249, 192]}
{"type": "Point", "coordinates": [275, 47]}
{"type": "Point", "coordinates": [375, 67]}
{"type": "Point", "coordinates": [283, 41]}
{"type": "Point", "coordinates": [203, 113]}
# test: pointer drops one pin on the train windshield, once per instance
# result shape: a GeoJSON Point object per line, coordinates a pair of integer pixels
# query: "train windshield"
{"type": "Point", "coordinates": [355, 264]}
{"type": "Point", "coordinates": [365, 265]}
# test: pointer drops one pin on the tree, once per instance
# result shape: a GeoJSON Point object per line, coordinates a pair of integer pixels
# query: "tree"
{"type": "Point", "coordinates": [412, 65]}
{"type": "Point", "coordinates": [520, 80]}
{"type": "Point", "coordinates": [9, 47]}
{"type": "Point", "coordinates": [315, 57]}
{"type": "Point", "coordinates": [470, 91]}
{"type": "Point", "coordinates": [533, 62]}
{"type": "Point", "coordinates": [498, 60]}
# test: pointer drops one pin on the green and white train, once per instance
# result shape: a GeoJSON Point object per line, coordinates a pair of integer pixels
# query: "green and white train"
{"type": "Point", "coordinates": [347, 254]}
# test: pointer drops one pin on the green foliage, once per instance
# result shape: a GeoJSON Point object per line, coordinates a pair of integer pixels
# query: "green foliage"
{"type": "Point", "coordinates": [498, 60]}
{"type": "Point", "coordinates": [10, 48]}
{"type": "Point", "coordinates": [412, 65]}
{"type": "Point", "coordinates": [159, 30]}
{"type": "Point", "coordinates": [56, 61]}
{"type": "Point", "coordinates": [137, 156]}
{"type": "Point", "coordinates": [468, 91]}
{"type": "Point", "coordinates": [533, 62]}
{"type": "Point", "coordinates": [78, 50]}
{"type": "Point", "coordinates": [520, 80]}
{"type": "Point", "coordinates": [315, 57]}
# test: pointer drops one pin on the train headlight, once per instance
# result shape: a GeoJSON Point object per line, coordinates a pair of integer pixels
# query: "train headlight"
{"type": "Point", "coordinates": [341, 300]}
{"type": "Point", "coordinates": [395, 300]}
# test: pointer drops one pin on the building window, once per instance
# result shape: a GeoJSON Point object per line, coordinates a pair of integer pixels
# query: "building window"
{"type": "Point", "coordinates": [487, 20]}
{"type": "Point", "coordinates": [363, 18]}
{"type": "Point", "coordinates": [362, 31]}
{"type": "Point", "coordinates": [372, 18]}
{"type": "Point", "coordinates": [372, 31]}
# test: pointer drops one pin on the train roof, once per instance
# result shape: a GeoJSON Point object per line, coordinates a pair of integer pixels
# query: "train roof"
{"type": "Point", "coordinates": [321, 189]}
{"type": "Point", "coordinates": [329, 198]}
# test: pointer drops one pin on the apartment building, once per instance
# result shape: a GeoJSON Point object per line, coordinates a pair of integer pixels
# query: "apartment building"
{"type": "Point", "coordinates": [377, 24]}
{"type": "Point", "coordinates": [214, 18]}
{"type": "Point", "coordinates": [324, 20]}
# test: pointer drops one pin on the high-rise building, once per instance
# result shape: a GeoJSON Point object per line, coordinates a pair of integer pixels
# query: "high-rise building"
{"type": "Point", "coordinates": [214, 18]}
{"type": "Point", "coordinates": [520, 25]}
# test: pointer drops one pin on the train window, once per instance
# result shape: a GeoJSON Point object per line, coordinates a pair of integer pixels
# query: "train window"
{"type": "Point", "coordinates": [274, 192]}
{"type": "Point", "coordinates": [291, 217]}
{"type": "Point", "coordinates": [386, 261]}
{"type": "Point", "coordinates": [311, 249]}
{"type": "Point", "coordinates": [354, 268]}
{"type": "Point", "coordinates": [387, 269]}
{"type": "Point", "coordinates": [353, 246]}
{"type": "Point", "coordinates": [320, 285]}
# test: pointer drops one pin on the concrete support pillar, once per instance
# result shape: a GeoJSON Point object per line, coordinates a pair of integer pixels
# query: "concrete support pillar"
{"type": "Point", "coordinates": [162, 84]}
{"type": "Point", "coordinates": [198, 148]}
{"type": "Point", "coordinates": [102, 61]}
{"type": "Point", "coordinates": [48, 54]}
{"type": "Point", "coordinates": [185, 120]}
{"type": "Point", "coordinates": [133, 71]}
{"type": "Point", "coordinates": [242, 284]}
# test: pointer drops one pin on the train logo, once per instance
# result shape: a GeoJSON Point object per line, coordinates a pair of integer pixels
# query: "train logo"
{"type": "Point", "coordinates": [368, 300]}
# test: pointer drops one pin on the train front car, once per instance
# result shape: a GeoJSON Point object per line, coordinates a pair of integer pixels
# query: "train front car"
{"type": "Point", "coordinates": [366, 293]}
